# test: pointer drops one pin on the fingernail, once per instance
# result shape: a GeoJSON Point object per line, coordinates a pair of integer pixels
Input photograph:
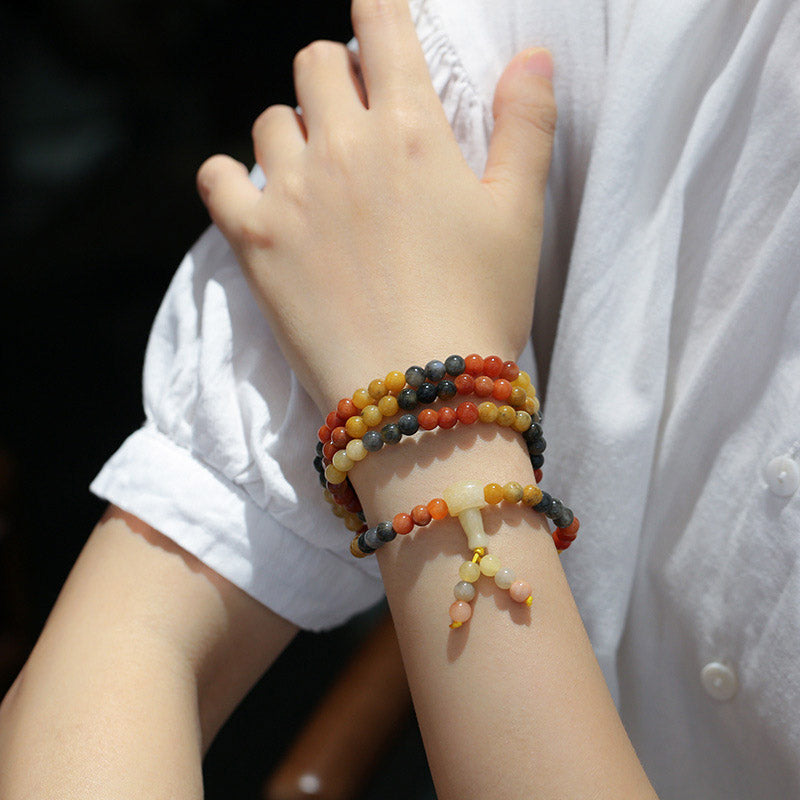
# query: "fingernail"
{"type": "Point", "coordinates": [539, 62]}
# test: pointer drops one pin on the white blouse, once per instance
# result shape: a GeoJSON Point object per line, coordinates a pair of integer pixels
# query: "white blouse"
{"type": "Point", "coordinates": [668, 312]}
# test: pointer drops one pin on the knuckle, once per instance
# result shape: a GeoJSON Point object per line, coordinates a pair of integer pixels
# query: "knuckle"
{"type": "Point", "coordinates": [266, 118]}
{"type": "Point", "coordinates": [410, 127]}
{"type": "Point", "coordinates": [544, 116]}
{"type": "Point", "coordinates": [317, 51]}
{"type": "Point", "coordinates": [208, 170]}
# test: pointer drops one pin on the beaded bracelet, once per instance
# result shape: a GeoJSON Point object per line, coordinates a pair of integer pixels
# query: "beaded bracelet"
{"type": "Point", "coordinates": [334, 463]}
{"type": "Point", "coordinates": [368, 541]}
{"type": "Point", "coordinates": [465, 500]}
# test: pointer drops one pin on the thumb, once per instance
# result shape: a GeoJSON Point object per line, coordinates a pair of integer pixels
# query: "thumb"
{"type": "Point", "coordinates": [525, 119]}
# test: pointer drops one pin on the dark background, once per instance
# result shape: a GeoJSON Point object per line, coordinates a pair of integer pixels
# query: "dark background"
{"type": "Point", "coordinates": [107, 110]}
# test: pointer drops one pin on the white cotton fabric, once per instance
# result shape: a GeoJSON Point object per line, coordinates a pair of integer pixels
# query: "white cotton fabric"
{"type": "Point", "coordinates": [669, 296]}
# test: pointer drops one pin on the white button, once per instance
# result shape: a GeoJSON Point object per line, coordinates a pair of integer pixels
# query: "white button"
{"type": "Point", "coordinates": [782, 475]}
{"type": "Point", "coordinates": [719, 680]}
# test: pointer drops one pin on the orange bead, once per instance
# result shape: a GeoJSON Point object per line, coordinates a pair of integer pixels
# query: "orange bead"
{"type": "Point", "coordinates": [492, 366]}
{"type": "Point", "coordinates": [402, 523]}
{"type": "Point", "coordinates": [483, 386]}
{"type": "Point", "coordinates": [428, 419]}
{"type": "Point", "coordinates": [329, 450]}
{"type": "Point", "coordinates": [438, 508]}
{"type": "Point", "coordinates": [333, 420]}
{"type": "Point", "coordinates": [501, 390]}
{"type": "Point", "coordinates": [447, 417]}
{"type": "Point", "coordinates": [420, 515]}
{"type": "Point", "coordinates": [324, 434]}
{"type": "Point", "coordinates": [510, 371]}
{"type": "Point", "coordinates": [339, 437]}
{"type": "Point", "coordinates": [493, 493]}
{"type": "Point", "coordinates": [467, 412]}
{"type": "Point", "coordinates": [473, 364]}
{"type": "Point", "coordinates": [395, 381]}
{"type": "Point", "coordinates": [537, 475]}
{"type": "Point", "coordinates": [377, 389]}
{"type": "Point", "coordinates": [572, 528]}
{"type": "Point", "coordinates": [361, 398]}
{"type": "Point", "coordinates": [356, 427]}
{"type": "Point", "coordinates": [465, 383]}
{"type": "Point", "coordinates": [346, 409]}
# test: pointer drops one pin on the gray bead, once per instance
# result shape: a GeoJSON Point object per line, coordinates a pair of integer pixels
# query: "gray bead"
{"type": "Point", "coordinates": [408, 424]}
{"type": "Point", "coordinates": [372, 441]}
{"type": "Point", "coordinates": [362, 544]}
{"type": "Point", "coordinates": [434, 371]}
{"type": "Point", "coordinates": [446, 389]}
{"type": "Point", "coordinates": [407, 399]}
{"type": "Point", "coordinates": [454, 365]}
{"type": "Point", "coordinates": [556, 509]}
{"type": "Point", "coordinates": [543, 506]}
{"type": "Point", "coordinates": [385, 531]}
{"type": "Point", "coordinates": [390, 433]}
{"type": "Point", "coordinates": [415, 376]}
{"type": "Point", "coordinates": [426, 392]}
{"type": "Point", "coordinates": [371, 539]}
{"type": "Point", "coordinates": [537, 462]}
{"type": "Point", "coordinates": [537, 447]}
{"type": "Point", "coordinates": [564, 519]}
{"type": "Point", "coordinates": [465, 591]}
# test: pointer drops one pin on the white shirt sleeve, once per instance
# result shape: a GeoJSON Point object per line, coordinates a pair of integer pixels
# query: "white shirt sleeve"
{"type": "Point", "coordinates": [223, 463]}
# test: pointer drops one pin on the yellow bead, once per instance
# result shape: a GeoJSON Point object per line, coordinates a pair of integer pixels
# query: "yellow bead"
{"type": "Point", "coordinates": [526, 380]}
{"type": "Point", "coordinates": [512, 492]}
{"type": "Point", "coordinates": [333, 475]}
{"type": "Point", "coordinates": [487, 412]}
{"type": "Point", "coordinates": [339, 511]}
{"type": "Point", "coordinates": [493, 493]}
{"type": "Point", "coordinates": [531, 495]}
{"type": "Point", "coordinates": [342, 461]}
{"type": "Point", "coordinates": [506, 416]}
{"type": "Point", "coordinates": [355, 450]}
{"type": "Point", "coordinates": [517, 398]}
{"type": "Point", "coordinates": [469, 571]}
{"type": "Point", "coordinates": [361, 398]}
{"type": "Point", "coordinates": [328, 496]}
{"type": "Point", "coordinates": [395, 381]}
{"type": "Point", "coordinates": [353, 522]}
{"type": "Point", "coordinates": [490, 565]}
{"type": "Point", "coordinates": [371, 415]}
{"type": "Point", "coordinates": [356, 426]}
{"type": "Point", "coordinates": [377, 389]}
{"type": "Point", "coordinates": [522, 421]}
{"type": "Point", "coordinates": [387, 405]}
{"type": "Point", "coordinates": [532, 405]}
{"type": "Point", "coordinates": [355, 550]}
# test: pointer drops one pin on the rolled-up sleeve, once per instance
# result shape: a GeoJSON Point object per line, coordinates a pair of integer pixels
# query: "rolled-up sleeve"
{"type": "Point", "coordinates": [222, 464]}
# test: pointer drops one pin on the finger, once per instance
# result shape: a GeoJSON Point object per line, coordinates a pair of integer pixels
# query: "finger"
{"type": "Point", "coordinates": [229, 196]}
{"type": "Point", "coordinates": [326, 84]}
{"type": "Point", "coordinates": [522, 141]}
{"type": "Point", "coordinates": [391, 61]}
{"type": "Point", "coordinates": [279, 135]}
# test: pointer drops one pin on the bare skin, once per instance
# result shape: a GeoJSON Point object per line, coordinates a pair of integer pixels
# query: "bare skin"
{"type": "Point", "coordinates": [405, 255]}
{"type": "Point", "coordinates": [142, 658]}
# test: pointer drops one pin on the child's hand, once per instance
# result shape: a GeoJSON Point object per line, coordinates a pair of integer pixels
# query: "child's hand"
{"type": "Point", "coordinates": [373, 245]}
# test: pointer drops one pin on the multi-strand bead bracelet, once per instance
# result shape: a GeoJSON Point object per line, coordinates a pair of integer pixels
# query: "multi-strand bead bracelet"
{"type": "Point", "coordinates": [349, 434]}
